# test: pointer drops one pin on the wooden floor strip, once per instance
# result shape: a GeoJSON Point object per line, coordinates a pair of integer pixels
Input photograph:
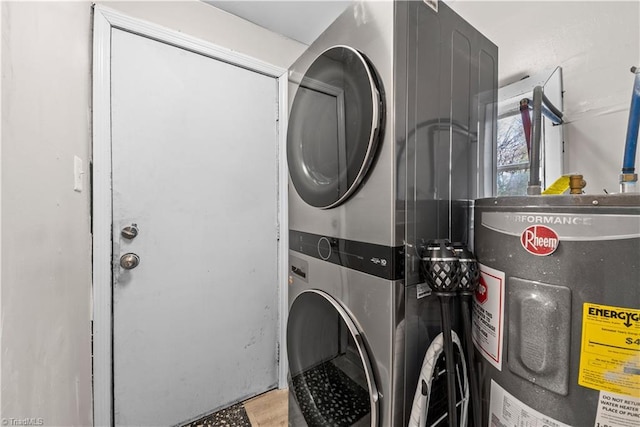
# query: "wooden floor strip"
{"type": "Point", "coordinates": [269, 409]}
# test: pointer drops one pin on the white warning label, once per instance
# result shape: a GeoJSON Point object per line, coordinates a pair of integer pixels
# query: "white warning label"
{"type": "Point", "coordinates": [422, 290]}
{"type": "Point", "coordinates": [617, 410]}
{"type": "Point", "coordinates": [488, 315]}
{"type": "Point", "coordinates": [507, 411]}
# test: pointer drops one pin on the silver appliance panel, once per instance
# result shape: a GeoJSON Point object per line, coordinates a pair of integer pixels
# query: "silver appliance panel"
{"type": "Point", "coordinates": [410, 194]}
{"type": "Point", "coordinates": [369, 214]}
{"type": "Point", "coordinates": [375, 306]}
{"type": "Point", "coordinates": [397, 323]}
{"type": "Point", "coordinates": [438, 77]}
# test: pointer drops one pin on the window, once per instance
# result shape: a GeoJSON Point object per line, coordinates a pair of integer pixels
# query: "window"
{"type": "Point", "coordinates": [512, 155]}
{"type": "Point", "coordinates": [513, 159]}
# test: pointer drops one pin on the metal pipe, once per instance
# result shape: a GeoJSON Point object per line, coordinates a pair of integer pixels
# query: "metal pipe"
{"type": "Point", "coordinates": [552, 108]}
{"type": "Point", "coordinates": [548, 109]}
{"type": "Point", "coordinates": [534, 187]}
{"type": "Point", "coordinates": [526, 122]}
{"type": "Point", "coordinates": [549, 114]}
{"type": "Point", "coordinates": [628, 177]}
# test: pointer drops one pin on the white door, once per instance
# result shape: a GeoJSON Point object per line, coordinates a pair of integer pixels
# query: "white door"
{"type": "Point", "coordinates": [194, 167]}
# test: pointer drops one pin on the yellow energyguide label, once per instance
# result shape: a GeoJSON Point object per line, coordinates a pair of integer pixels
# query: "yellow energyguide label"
{"type": "Point", "coordinates": [610, 352]}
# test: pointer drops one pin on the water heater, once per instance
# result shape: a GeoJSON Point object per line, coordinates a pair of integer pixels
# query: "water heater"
{"type": "Point", "coordinates": [557, 313]}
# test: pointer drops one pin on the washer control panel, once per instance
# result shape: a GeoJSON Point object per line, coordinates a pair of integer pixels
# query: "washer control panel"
{"type": "Point", "coordinates": [381, 261]}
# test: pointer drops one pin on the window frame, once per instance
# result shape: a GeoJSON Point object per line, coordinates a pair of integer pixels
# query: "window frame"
{"type": "Point", "coordinates": [552, 164]}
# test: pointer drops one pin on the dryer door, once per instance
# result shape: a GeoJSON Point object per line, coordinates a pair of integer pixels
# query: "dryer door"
{"type": "Point", "coordinates": [334, 127]}
{"type": "Point", "coordinates": [331, 378]}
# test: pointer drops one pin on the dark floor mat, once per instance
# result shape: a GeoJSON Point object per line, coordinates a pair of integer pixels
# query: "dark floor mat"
{"type": "Point", "coordinates": [328, 397]}
{"type": "Point", "coordinates": [233, 416]}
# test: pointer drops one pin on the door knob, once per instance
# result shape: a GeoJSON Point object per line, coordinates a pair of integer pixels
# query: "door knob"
{"type": "Point", "coordinates": [130, 231]}
{"type": "Point", "coordinates": [129, 261]}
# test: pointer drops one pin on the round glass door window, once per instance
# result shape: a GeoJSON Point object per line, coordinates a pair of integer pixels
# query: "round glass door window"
{"type": "Point", "coordinates": [330, 370]}
{"type": "Point", "coordinates": [334, 127]}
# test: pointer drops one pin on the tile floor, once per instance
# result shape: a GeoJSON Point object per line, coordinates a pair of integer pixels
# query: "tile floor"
{"type": "Point", "coordinates": [233, 416]}
{"type": "Point", "coordinates": [267, 410]}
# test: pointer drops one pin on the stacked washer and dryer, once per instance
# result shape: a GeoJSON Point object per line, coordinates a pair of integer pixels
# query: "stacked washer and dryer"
{"type": "Point", "coordinates": [391, 138]}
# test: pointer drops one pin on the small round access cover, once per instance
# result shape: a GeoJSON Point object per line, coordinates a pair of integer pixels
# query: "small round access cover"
{"type": "Point", "coordinates": [334, 126]}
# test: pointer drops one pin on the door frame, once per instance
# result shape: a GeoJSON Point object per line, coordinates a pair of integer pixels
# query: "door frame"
{"type": "Point", "coordinates": [105, 20]}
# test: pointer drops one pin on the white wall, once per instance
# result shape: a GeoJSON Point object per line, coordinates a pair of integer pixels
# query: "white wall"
{"type": "Point", "coordinates": [45, 258]}
{"type": "Point", "coordinates": [302, 20]}
{"type": "Point", "coordinates": [46, 242]}
{"type": "Point", "coordinates": [595, 43]}
{"type": "Point", "coordinates": [216, 26]}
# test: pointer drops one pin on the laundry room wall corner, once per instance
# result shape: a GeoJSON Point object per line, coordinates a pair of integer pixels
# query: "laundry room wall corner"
{"type": "Point", "coordinates": [46, 241]}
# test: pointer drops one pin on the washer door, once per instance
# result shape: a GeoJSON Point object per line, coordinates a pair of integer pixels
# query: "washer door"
{"type": "Point", "coordinates": [330, 370]}
{"type": "Point", "coordinates": [334, 127]}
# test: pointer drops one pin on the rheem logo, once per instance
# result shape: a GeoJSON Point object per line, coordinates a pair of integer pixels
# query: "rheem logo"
{"type": "Point", "coordinates": [539, 240]}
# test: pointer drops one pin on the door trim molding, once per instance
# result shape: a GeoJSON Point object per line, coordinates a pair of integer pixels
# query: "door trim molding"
{"type": "Point", "coordinates": [105, 20]}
